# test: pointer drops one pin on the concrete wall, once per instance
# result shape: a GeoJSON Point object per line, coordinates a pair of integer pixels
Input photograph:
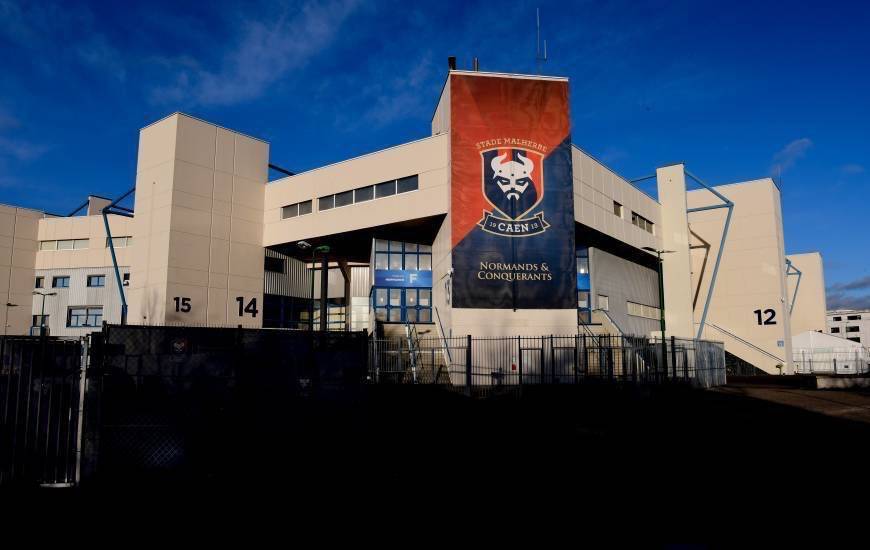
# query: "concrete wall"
{"type": "Point", "coordinates": [97, 254]}
{"type": "Point", "coordinates": [596, 187]}
{"type": "Point", "coordinates": [622, 281]}
{"type": "Point", "coordinates": [18, 245]}
{"type": "Point", "coordinates": [677, 263]}
{"type": "Point", "coordinates": [809, 307]}
{"type": "Point", "coordinates": [198, 224]}
{"type": "Point", "coordinates": [428, 158]}
{"type": "Point", "coordinates": [752, 274]}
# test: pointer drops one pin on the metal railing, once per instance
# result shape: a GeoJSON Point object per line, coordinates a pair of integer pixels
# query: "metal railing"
{"type": "Point", "coordinates": [488, 362]}
{"type": "Point", "coordinates": [836, 362]}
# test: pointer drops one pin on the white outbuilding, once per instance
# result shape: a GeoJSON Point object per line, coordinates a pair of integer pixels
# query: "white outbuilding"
{"type": "Point", "coordinates": [817, 353]}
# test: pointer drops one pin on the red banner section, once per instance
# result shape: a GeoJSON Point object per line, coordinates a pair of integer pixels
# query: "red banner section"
{"type": "Point", "coordinates": [512, 201]}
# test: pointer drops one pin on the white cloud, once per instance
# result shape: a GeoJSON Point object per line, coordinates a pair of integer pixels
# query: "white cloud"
{"type": "Point", "coordinates": [266, 52]}
{"type": "Point", "coordinates": [786, 157]}
{"type": "Point", "coordinates": [102, 56]}
{"type": "Point", "coordinates": [20, 149]}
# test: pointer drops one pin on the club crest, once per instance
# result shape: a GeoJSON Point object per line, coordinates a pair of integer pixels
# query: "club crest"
{"type": "Point", "coordinates": [513, 183]}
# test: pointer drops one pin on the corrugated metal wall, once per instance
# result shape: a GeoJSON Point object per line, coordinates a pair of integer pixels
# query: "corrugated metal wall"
{"type": "Point", "coordinates": [360, 285]}
{"type": "Point", "coordinates": [295, 281]}
{"type": "Point", "coordinates": [621, 281]}
{"type": "Point", "coordinates": [78, 294]}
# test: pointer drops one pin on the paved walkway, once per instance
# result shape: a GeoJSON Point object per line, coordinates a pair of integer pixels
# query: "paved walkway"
{"type": "Point", "coordinates": [846, 404]}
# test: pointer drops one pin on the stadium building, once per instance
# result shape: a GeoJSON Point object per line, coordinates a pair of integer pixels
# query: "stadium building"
{"type": "Point", "coordinates": [495, 224]}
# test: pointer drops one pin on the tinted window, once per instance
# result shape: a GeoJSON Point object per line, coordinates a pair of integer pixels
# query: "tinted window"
{"type": "Point", "coordinates": [364, 193]}
{"type": "Point", "coordinates": [385, 189]}
{"type": "Point", "coordinates": [408, 184]}
{"type": "Point", "coordinates": [290, 211]}
{"type": "Point", "coordinates": [304, 208]}
{"type": "Point", "coordinates": [344, 199]}
{"type": "Point", "coordinates": [276, 265]}
{"type": "Point", "coordinates": [325, 203]}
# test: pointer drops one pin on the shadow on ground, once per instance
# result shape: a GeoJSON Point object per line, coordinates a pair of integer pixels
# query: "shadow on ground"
{"type": "Point", "coordinates": [419, 438]}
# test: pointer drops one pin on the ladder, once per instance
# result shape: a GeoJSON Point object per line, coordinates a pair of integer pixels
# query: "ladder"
{"type": "Point", "coordinates": [414, 356]}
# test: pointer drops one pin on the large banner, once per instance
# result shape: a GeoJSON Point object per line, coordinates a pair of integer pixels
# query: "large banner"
{"type": "Point", "coordinates": [512, 198]}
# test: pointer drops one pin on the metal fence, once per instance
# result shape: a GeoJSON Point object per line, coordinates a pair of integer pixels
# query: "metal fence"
{"type": "Point", "coordinates": [469, 362]}
{"type": "Point", "coordinates": [39, 408]}
{"type": "Point", "coordinates": [830, 361]}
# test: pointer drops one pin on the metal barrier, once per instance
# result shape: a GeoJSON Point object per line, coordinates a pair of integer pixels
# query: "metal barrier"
{"type": "Point", "coordinates": [831, 361]}
{"type": "Point", "coordinates": [487, 362]}
{"type": "Point", "coordinates": [39, 409]}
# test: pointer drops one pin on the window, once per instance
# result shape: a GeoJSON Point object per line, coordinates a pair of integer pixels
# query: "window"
{"type": "Point", "coordinates": [290, 211]}
{"type": "Point", "coordinates": [617, 209]}
{"type": "Point", "coordinates": [346, 198]}
{"type": "Point", "coordinates": [407, 184]}
{"type": "Point", "coordinates": [120, 242]}
{"type": "Point", "coordinates": [583, 313]}
{"type": "Point", "coordinates": [838, 318]}
{"type": "Point", "coordinates": [582, 265]}
{"type": "Point", "coordinates": [642, 222]}
{"type": "Point", "coordinates": [48, 245]}
{"type": "Point", "coordinates": [96, 280]}
{"type": "Point", "coordinates": [343, 199]}
{"type": "Point", "coordinates": [40, 321]}
{"type": "Point", "coordinates": [325, 203]}
{"type": "Point", "coordinates": [855, 339]}
{"type": "Point", "coordinates": [584, 309]}
{"type": "Point", "coordinates": [364, 194]}
{"type": "Point", "coordinates": [72, 244]}
{"type": "Point", "coordinates": [126, 279]}
{"type": "Point", "coordinates": [640, 310]}
{"type": "Point", "coordinates": [385, 189]}
{"type": "Point", "coordinates": [297, 209]}
{"type": "Point", "coordinates": [603, 302]}
{"type": "Point", "coordinates": [60, 282]}
{"type": "Point", "coordinates": [401, 305]}
{"type": "Point", "coordinates": [84, 316]}
{"type": "Point", "coordinates": [853, 317]}
{"type": "Point", "coordinates": [39, 283]}
{"type": "Point", "coordinates": [852, 329]}
{"type": "Point", "coordinates": [398, 255]}
{"type": "Point", "coordinates": [835, 330]}
{"type": "Point", "coordinates": [275, 265]}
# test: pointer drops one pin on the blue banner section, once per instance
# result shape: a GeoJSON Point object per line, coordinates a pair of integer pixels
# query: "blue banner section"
{"type": "Point", "coordinates": [403, 278]}
{"type": "Point", "coordinates": [527, 262]}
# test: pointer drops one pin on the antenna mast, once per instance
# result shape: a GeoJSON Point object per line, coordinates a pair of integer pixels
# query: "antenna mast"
{"type": "Point", "coordinates": [540, 57]}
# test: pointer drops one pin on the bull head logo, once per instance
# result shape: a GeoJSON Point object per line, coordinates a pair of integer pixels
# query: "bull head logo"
{"type": "Point", "coordinates": [512, 177]}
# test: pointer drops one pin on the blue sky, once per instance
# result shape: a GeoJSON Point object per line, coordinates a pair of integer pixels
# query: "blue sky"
{"type": "Point", "coordinates": [737, 90]}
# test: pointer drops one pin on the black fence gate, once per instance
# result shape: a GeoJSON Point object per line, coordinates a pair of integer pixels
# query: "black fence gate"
{"type": "Point", "coordinates": [39, 409]}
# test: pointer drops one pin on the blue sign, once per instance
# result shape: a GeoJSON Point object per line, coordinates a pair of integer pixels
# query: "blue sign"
{"type": "Point", "coordinates": [403, 278]}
